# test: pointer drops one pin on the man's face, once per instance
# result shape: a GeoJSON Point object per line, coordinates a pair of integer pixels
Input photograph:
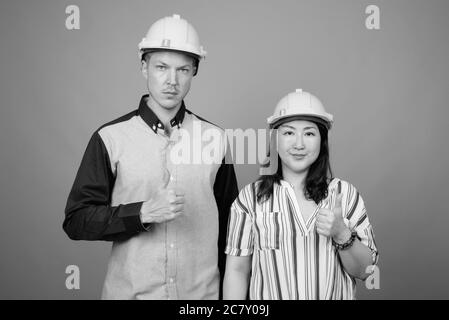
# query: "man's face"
{"type": "Point", "coordinates": [168, 76]}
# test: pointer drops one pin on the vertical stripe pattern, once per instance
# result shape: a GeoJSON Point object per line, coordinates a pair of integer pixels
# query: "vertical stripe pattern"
{"type": "Point", "coordinates": [289, 259]}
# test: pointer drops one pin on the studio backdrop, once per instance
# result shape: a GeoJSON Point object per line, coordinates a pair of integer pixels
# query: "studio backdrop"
{"type": "Point", "coordinates": [380, 67]}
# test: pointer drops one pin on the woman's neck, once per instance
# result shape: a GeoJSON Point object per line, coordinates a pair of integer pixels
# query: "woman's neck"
{"type": "Point", "coordinates": [296, 179]}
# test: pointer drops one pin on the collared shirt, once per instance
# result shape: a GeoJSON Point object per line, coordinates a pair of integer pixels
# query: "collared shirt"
{"type": "Point", "coordinates": [290, 260]}
{"type": "Point", "coordinates": [125, 163]}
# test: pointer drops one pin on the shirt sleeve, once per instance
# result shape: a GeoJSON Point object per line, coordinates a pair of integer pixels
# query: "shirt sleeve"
{"type": "Point", "coordinates": [89, 214]}
{"type": "Point", "coordinates": [357, 218]}
{"type": "Point", "coordinates": [225, 191]}
{"type": "Point", "coordinates": [240, 241]}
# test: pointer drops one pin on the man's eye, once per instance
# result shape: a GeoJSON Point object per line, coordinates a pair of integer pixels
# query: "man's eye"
{"type": "Point", "coordinates": [185, 70]}
{"type": "Point", "coordinates": [288, 133]}
{"type": "Point", "coordinates": [160, 67]}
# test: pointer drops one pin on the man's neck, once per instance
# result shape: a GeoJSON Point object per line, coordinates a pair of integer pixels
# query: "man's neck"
{"type": "Point", "coordinates": [164, 115]}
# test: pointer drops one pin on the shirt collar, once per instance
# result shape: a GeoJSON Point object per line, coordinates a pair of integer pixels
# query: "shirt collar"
{"type": "Point", "coordinates": [153, 121]}
{"type": "Point", "coordinates": [284, 183]}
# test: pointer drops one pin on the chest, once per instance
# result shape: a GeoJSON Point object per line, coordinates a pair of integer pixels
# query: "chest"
{"type": "Point", "coordinates": [146, 162]}
{"type": "Point", "coordinates": [306, 207]}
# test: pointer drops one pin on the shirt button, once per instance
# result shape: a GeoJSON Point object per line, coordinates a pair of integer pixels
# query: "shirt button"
{"type": "Point", "coordinates": [171, 178]}
{"type": "Point", "coordinates": [172, 245]}
{"type": "Point", "coordinates": [172, 280]}
{"type": "Point", "coordinates": [159, 125]}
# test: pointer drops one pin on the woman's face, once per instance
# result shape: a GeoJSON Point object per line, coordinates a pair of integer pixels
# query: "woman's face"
{"type": "Point", "coordinates": [298, 145]}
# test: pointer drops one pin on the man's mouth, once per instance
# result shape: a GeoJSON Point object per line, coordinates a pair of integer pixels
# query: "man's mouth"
{"type": "Point", "coordinates": [173, 93]}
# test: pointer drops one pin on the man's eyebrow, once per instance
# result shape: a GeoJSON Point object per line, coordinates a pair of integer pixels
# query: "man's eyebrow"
{"type": "Point", "coordinates": [180, 67]}
{"type": "Point", "coordinates": [161, 62]}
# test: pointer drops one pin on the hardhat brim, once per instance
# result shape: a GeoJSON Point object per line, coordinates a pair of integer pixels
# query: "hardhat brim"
{"type": "Point", "coordinates": [308, 117]}
{"type": "Point", "coordinates": [189, 54]}
{"type": "Point", "coordinates": [149, 50]}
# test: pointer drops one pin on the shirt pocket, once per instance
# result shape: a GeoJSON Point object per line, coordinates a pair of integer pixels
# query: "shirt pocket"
{"type": "Point", "coordinates": [268, 228]}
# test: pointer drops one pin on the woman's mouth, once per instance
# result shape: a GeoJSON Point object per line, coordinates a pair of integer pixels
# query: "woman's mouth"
{"type": "Point", "coordinates": [298, 156]}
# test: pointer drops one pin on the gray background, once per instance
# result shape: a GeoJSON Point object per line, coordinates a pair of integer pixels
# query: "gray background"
{"type": "Point", "coordinates": [388, 91]}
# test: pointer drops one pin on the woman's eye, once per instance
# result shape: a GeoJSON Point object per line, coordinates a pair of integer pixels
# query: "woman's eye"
{"type": "Point", "coordinates": [288, 133]}
{"type": "Point", "coordinates": [310, 134]}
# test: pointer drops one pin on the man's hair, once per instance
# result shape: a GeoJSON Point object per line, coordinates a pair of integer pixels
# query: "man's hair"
{"type": "Point", "coordinates": [195, 60]}
{"type": "Point", "coordinates": [317, 180]}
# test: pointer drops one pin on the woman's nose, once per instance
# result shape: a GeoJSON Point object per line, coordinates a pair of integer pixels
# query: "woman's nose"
{"type": "Point", "coordinates": [299, 142]}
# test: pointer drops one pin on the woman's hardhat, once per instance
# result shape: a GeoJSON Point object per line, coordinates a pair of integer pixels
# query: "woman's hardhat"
{"type": "Point", "coordinates": [301, 105]}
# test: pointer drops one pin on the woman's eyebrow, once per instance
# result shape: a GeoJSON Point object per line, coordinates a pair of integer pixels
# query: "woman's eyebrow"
{"type": "Point", "coordinates": [287, 126]}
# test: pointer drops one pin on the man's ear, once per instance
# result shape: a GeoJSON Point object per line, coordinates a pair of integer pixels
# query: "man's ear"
{"type": "Point", "coordinates": [144, 68]}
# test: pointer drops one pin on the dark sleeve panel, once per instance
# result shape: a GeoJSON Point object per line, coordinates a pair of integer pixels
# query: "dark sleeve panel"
{"type": "Point", "coordinates": [225, 191]}
{"type": "Point", "coordinates": [89, 214]}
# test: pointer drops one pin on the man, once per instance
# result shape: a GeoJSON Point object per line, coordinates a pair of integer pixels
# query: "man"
{"type": "Point", "coordinates": [165, 218]}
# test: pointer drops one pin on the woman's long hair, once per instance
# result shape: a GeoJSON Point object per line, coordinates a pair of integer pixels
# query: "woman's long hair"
{"type": "Point", "coordinates": [318, 176]}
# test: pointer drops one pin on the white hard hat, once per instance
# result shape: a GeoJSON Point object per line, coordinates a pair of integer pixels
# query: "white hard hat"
{"type": "Point", "coordinates": [172, 33]}
{"type": "Point", "coordinates": [300, 104]}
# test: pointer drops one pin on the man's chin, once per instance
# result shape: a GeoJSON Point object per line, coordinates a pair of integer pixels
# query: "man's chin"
{"type": "Point", "coordinates": [169, 104]}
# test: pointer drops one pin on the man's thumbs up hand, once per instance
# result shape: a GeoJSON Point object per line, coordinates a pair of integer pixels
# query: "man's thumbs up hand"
{"type": "Point", "coordinates": [330, 223]}
{"type": "Point", "coordinates": [164, 206]}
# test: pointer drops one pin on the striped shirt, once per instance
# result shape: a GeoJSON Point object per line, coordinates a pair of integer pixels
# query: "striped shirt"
{"type": "Point", "coordinates": [290, 260]}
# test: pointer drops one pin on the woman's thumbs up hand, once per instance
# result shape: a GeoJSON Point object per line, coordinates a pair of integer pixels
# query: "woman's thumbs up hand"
{"type": "Point", "coordinates": [330, 223]}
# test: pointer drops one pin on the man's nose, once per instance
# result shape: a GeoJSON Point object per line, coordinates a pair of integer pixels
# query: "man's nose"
{"type": "Point", "coordinates": [172, 77]}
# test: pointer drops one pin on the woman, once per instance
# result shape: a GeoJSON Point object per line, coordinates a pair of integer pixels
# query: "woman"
{"type": "Point", "coordinates": [299, 233]}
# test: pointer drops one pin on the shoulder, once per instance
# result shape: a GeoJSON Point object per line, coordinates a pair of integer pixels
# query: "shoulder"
{"type": "Point", "coordinates": [247, 195]}
{"type": "Point", "coordinates": [249, 190]}
{"type": "Point", "coordinates": [118, 121]}
{"type": "Point", "coordinates": [341, 185]}
{"type": "Point", "coordinates": [206, 123]}
{"type": "Point", "coordinates": [117, 129]}
{"type": "Point", "coordinates": [106, 134]}
{"type": "Point", "coordinates": [350, 193]}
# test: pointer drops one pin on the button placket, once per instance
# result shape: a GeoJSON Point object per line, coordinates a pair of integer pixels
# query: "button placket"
{"type": "Point", "coordinates": [171, 236]}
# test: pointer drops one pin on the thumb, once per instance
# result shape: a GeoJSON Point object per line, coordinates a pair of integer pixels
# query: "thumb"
{"type": "Point", "coordinates": [338, 204]}
{"type": "Point", "coordinates": [170, 194]}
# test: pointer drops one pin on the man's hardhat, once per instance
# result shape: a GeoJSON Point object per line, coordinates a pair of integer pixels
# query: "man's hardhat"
{"type": "Point", "coordinates": [301, 105]}
{"type": "Point", "coordinates": [172, 33]}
